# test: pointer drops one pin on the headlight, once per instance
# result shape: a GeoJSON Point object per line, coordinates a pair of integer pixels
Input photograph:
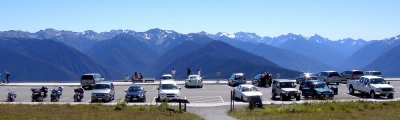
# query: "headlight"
{"type": "Point", "coordinates": [378, 90]}
{"type": "Point", "coordinates": [140, 95]}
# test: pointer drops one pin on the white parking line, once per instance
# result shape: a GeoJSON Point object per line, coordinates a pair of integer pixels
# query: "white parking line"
{"type": "Point", "coordinates": [154, 100]}
{"type": "Point", "coordinates": [221, 99]}
{"type": "Point", "coordinates": [205, 101]}
{"type": "Point", "coordinates": [351, 95]}
{"type": "Point", "coordinates": [64, 98]}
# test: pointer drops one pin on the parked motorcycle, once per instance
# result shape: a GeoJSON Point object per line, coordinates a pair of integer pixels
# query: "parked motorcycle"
{"type": "Point", "coordinates": [56, 94]}
{"type": "Point", "coordinates": [78, 96]}
{"type": "Point", "coordinates": [11, 96]}
{"type": "Point", "coordinates": [39, 94]}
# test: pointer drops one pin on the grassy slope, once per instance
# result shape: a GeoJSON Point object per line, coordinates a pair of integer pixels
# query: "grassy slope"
{"type": "Point", "coordinates": [330, 110]}
{"type": "Point", "coordinates": [89, 112]}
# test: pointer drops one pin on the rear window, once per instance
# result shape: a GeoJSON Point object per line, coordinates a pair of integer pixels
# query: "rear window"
{"type": "Point", "coordinates": [102, 86]}
{"type": "Point", "coordinates": [376, 73]}
{"type": "Point", "coordinates": [333, 74]}
{"type": "Point", "coordinates": [87, 77]}
{"type": "Point", "coordinates": [358, 73]}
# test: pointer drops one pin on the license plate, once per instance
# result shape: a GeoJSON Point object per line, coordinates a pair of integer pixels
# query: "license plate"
{"type": "Point", "coordinates": [99, 98]}
{"type": "Point", "coordinates": [134, 98]}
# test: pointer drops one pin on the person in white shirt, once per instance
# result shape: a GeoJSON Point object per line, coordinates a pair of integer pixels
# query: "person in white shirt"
{"type": "Point", "coordinates": [173, 72]}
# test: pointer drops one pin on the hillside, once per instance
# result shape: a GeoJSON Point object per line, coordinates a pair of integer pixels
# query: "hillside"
{"type": "Point", "coordinates": [388, 63]}
{"type": "Point", "coordinates": [219, 56]}
{"type": "Point", "coordinates": [47, 60]}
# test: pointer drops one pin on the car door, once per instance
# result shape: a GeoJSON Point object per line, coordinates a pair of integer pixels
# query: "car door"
{"type": "Point", "coordinates": [236, 91]}
{"type": "Point", "coordinates": [307, 88]}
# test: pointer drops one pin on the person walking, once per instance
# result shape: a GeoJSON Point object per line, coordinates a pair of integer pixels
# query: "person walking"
{"type": "Point", "coordinates": [218, 76]}
{"type": "Point", "coordinates": [173, 72]}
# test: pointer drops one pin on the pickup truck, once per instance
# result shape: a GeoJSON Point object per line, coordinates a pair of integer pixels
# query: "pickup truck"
{"type": "Point", "coordinates": [373, 86]}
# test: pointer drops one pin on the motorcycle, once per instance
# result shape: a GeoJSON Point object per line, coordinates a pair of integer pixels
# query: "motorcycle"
{"type": "Point", "coordinates": [39, 94]}
{"type": "Point", "coordinates": [78, 96]}
{"type": "Point", "coordinates": [11, 96]}
{"type": "Point", "coordinates": [56, 94]}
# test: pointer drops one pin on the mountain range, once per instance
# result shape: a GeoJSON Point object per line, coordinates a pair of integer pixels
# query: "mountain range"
{"type": "Point", "coordinates": [64, 55]}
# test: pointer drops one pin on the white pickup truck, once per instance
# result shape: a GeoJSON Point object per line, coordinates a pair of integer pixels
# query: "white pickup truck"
{"type": "Point", "coordinates": [373, 86]}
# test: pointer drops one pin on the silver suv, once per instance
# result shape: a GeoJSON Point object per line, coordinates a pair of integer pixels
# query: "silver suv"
{"type": "Point", "coordinates": [236, 79]}
{"type": "Point", "coordinates": [103, 91]}
{"type": "Point", "coordinates": [329, 77]}
{"type": "Point", "coordinates": [286, 89]}
{"type": "Point", "coordinates": [89, 80]}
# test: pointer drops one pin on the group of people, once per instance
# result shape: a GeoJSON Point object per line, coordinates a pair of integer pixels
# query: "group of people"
{"type": "Point", "coordinates": [188, 72]}
{"type": "Point", "coordinates": [6, 77]}
{"type": "Point", "coordinates": [135, 76]}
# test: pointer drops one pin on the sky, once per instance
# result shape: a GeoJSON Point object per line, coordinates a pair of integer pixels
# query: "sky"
{"type": "Point", "coordinates": [334, 19]}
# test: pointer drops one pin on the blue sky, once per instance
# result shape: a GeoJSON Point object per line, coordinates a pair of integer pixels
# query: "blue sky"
{"type": "Point", "coordinates": [334, 19]}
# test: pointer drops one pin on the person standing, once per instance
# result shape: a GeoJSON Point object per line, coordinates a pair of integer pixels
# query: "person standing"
{"type": "Point", "coordinates": [126, 78]}
{"type": "Point", "coordinates": [7, 75]}
{"type": "Point", "coordinates": [189, 71]}
{"type": "Point", "coordinates": [141, 76]}
{"type": "Point", "coordinates": [199, 72]}
{"type": "Point", "coordinates": [218, 76]}
{"type": "Point", "coordinates": [173, 72]}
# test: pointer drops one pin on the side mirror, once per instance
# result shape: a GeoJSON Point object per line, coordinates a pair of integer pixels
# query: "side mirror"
{"type": "Point", "coordinates": [158, 88]}
{"type": "Point", "coordinates": [389, 83]}
{"type": "Point", "coordinates": [179, 88]}
{"type": "Point", "coordinates": [125, 90]}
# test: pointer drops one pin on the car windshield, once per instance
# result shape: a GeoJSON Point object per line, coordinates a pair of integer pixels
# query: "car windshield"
{"type": "Point", "coordinates": [135, 89]}
{"type": "Point", "coordinates": [320, 85]}
{"type": "Point", "coordinates": [166, 77]}
{"type": "Point", "coordinates": [87, 77]}
{"type": "Point", "coordinates": [247, 89]}
{"type": "Point", "coordinates": [287, 85]}
{"type": "Point", "coordinates": [102, 86]}
{"type": "Point", "coordinates": [239, 77]}
{"type": "Point", "coordinates": [358, 73]}
{"type": "Point", "coordinates": [378, 81]}
{"type": "Point", "coordinates": [168, 87]}
{"type": "Point", "coordinates": [376, 73]}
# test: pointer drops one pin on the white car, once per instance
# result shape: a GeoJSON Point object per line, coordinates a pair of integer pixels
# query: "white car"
{"type": "Point", "coordinates": [194, 81]}
{"type": "Point", "coordinates": [244, 91]}
{"type": "Point", "coordinates": [166, 77]}
{"type": "Point", "coordinates": [373, 86]}
{"type": "Point", "coordinates": [168, 90]}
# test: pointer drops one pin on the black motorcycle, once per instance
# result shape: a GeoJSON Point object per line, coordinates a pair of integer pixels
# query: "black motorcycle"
{"type": "Point", "coordinates": [78, 96]}
{"type": "Point", "coordinates": [56, 94]}
{"type": "Point", "coordinates": [11, 96]}
{"type": "Point", "coordinates": [39, 94]}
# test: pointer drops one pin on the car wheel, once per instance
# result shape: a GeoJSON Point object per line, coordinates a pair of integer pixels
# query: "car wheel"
{"type": "Point", "coordinates": [298, 98]}
{"type": "Point", "coordinates": [351, 90]}
{"type": "Point", "coordinates": [282, 98]}
{"type": "Point", "coordinates": [372, 94]}
{"type": "Point", "coordinates": [390, 96]}
{"type": "Point", "coordinates": [273, 96]}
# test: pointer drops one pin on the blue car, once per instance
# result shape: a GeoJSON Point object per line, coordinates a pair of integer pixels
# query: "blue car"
{"type": "Point", "coordinates": [316, 89]}
{"type": "Point", "coordinates": [135, 93]}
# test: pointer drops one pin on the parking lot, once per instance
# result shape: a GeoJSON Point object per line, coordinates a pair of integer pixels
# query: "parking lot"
{"type": "Point", "coordinates": [208, 95]}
